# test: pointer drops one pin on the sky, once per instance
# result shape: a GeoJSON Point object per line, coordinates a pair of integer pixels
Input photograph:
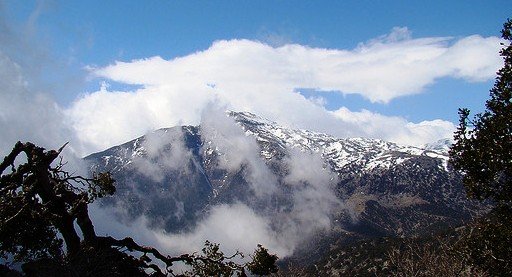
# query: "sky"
{"type": "Point", "coordinates": [100, 73]}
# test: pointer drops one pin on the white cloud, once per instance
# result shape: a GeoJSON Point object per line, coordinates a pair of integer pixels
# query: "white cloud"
{"type": "Point", "coordinates": [237, 226]}
{"type": "Point", "coordinates": [246, 75]}
{"type": "Point", "coordinates": [156, 161]}
{"type": "Point", "coordinates": [234, 227]}
{"type": "Point", "coordinates": [237, 150]}
{"type": "Point", "coordinates": [380, 70]}
{"type": "Point", "coordinates": [397, 129]}
{"type": "Point", "coordinates": [251, 76]}
{"type": "Point", "coordinates": [314, 200]}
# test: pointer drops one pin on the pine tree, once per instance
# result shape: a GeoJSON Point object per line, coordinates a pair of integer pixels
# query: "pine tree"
{"type": "Point", "coordinates": [483, 145]}
{"type": "Point", "coordinates": [483, 153]}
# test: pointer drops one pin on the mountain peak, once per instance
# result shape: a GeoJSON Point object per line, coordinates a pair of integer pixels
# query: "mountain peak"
{"type": "Point", "coordinates": [249, 118]}
{"type": "Point", "coordinates": [442, 145]}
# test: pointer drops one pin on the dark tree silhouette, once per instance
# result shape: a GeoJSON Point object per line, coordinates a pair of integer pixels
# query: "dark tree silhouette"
{"type": "Point", "coordinates": [39, 200]}
{"type": "Point", "coordinates": [483, 153]}
{"type": "Point", "coordinates": [483, 145]}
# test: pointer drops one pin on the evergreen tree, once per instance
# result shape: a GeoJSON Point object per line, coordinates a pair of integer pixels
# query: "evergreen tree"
{"type": "Point", "coordinates": [483, 153]}
{"type": "Point", "coordinates": [483, 145]}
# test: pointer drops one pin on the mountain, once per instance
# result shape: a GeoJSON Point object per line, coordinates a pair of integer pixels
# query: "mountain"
{"type": "Point", "coordinates": [317, 190]}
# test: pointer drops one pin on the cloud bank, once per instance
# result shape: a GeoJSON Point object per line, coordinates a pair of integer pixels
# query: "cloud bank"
{"type": "Point", "coordinates": [247, 75]}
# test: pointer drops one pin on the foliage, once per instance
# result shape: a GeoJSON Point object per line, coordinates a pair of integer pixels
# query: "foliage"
{"type": "Point", "coordinates": [263, 263]}
{"type": "Point", "coordinates": [483, 145]}
{"type": "Point", "coordinates": [40, 204]}
{"type": "Point", "coordinates": [211, 252]}
{"type": "Point", "coordinates": [488, 242]}
{"type": "Point", "coordinates": [435, 257]}
{"type": "Point", "coordinates": [481, 248]}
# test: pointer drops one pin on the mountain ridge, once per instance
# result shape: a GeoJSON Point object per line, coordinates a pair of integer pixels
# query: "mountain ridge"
{"type": "Point", "coordinates": [364, 187]}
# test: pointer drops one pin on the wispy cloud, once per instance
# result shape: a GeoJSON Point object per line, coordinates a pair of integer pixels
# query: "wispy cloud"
{"type": "Point", "coordinates": [380, 70]}
{"type": "Point", "coordinates": [253, 76]}
{"type": "Point", "coordinates": [156, 159]}
{"type": "Point", "coordinates": [236, 150]}
{"type": "Point", "coordinates": [395, 128]}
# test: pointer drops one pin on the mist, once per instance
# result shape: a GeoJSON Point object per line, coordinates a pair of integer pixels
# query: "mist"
{"type": "Point", "coordinates": [305, 186]}
{"type": "Point", "coordinates": [155, 160]}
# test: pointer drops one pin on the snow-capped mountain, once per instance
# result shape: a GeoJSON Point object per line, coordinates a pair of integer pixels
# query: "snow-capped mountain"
{"type": "Point", "coordinates": [349, 187]}
{"type": "Point", "coordinates": [367, 153]}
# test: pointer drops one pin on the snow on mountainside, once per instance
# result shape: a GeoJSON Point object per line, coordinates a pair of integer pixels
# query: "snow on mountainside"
{"type": "Point", "coordinates": [362, 153]}
{"type": "Point", "coordinates": [367, 153]}
{"type": "Point", "coordinates": [442, 145]}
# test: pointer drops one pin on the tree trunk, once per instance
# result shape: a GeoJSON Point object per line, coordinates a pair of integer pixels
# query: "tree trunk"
{"type": "Point", "coordinates": [85, 223]}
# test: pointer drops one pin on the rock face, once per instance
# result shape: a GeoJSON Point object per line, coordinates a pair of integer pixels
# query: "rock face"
{"type": "Point", "coordinates": [354, 187]}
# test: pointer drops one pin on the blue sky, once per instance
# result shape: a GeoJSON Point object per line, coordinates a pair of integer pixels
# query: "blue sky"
{"type": "Point", "coordinates": [67, 49]}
